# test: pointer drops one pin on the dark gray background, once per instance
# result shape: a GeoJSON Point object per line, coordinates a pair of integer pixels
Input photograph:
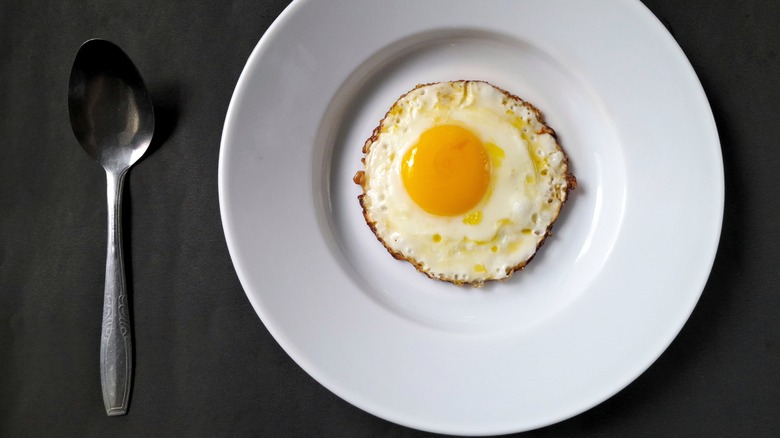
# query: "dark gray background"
{"type": "Point", "coordinates": [205, 364]}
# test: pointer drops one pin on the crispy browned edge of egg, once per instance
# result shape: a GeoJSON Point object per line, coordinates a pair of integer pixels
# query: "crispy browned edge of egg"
{"type": "Point", "coordinates": [359, 178]}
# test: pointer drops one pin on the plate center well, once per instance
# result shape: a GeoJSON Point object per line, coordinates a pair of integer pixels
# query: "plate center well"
{"type": "Point", "coordinates": [583, 235]}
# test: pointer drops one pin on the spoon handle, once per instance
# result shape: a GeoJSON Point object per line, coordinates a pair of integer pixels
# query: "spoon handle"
{"type": "Point", "coordinates": [116, 349]}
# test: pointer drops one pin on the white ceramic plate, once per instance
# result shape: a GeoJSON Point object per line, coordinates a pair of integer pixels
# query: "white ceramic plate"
{"type": "Point", "coordinates": [604, 297]}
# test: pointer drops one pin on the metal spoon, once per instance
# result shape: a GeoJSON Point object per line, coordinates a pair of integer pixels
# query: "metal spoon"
{"type": "Point", "coordinates": [113, 119]}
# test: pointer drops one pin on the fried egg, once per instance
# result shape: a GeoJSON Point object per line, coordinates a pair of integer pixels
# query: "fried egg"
{"type": "Point", "coordinates": [463, 180]}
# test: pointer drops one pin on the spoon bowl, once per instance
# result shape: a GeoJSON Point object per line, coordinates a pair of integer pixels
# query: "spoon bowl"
{"type": "Point", "coordinates": [112, 117]}
{"type": "Point", "coordinates": [110, 110]}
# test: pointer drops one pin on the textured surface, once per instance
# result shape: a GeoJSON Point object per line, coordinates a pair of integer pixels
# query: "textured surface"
{"type": "Point", "coordinates": [205, 365]}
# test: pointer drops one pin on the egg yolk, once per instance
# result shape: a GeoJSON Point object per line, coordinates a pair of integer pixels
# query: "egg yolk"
{"type": "Point", "coordinates": [447, 171]}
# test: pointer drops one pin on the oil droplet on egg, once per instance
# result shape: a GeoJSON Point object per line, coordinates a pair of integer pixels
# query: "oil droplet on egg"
{"type": "Point", "coordinates": [496, 154]}
{"type": "Point", "coordinates": [473, 218]}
